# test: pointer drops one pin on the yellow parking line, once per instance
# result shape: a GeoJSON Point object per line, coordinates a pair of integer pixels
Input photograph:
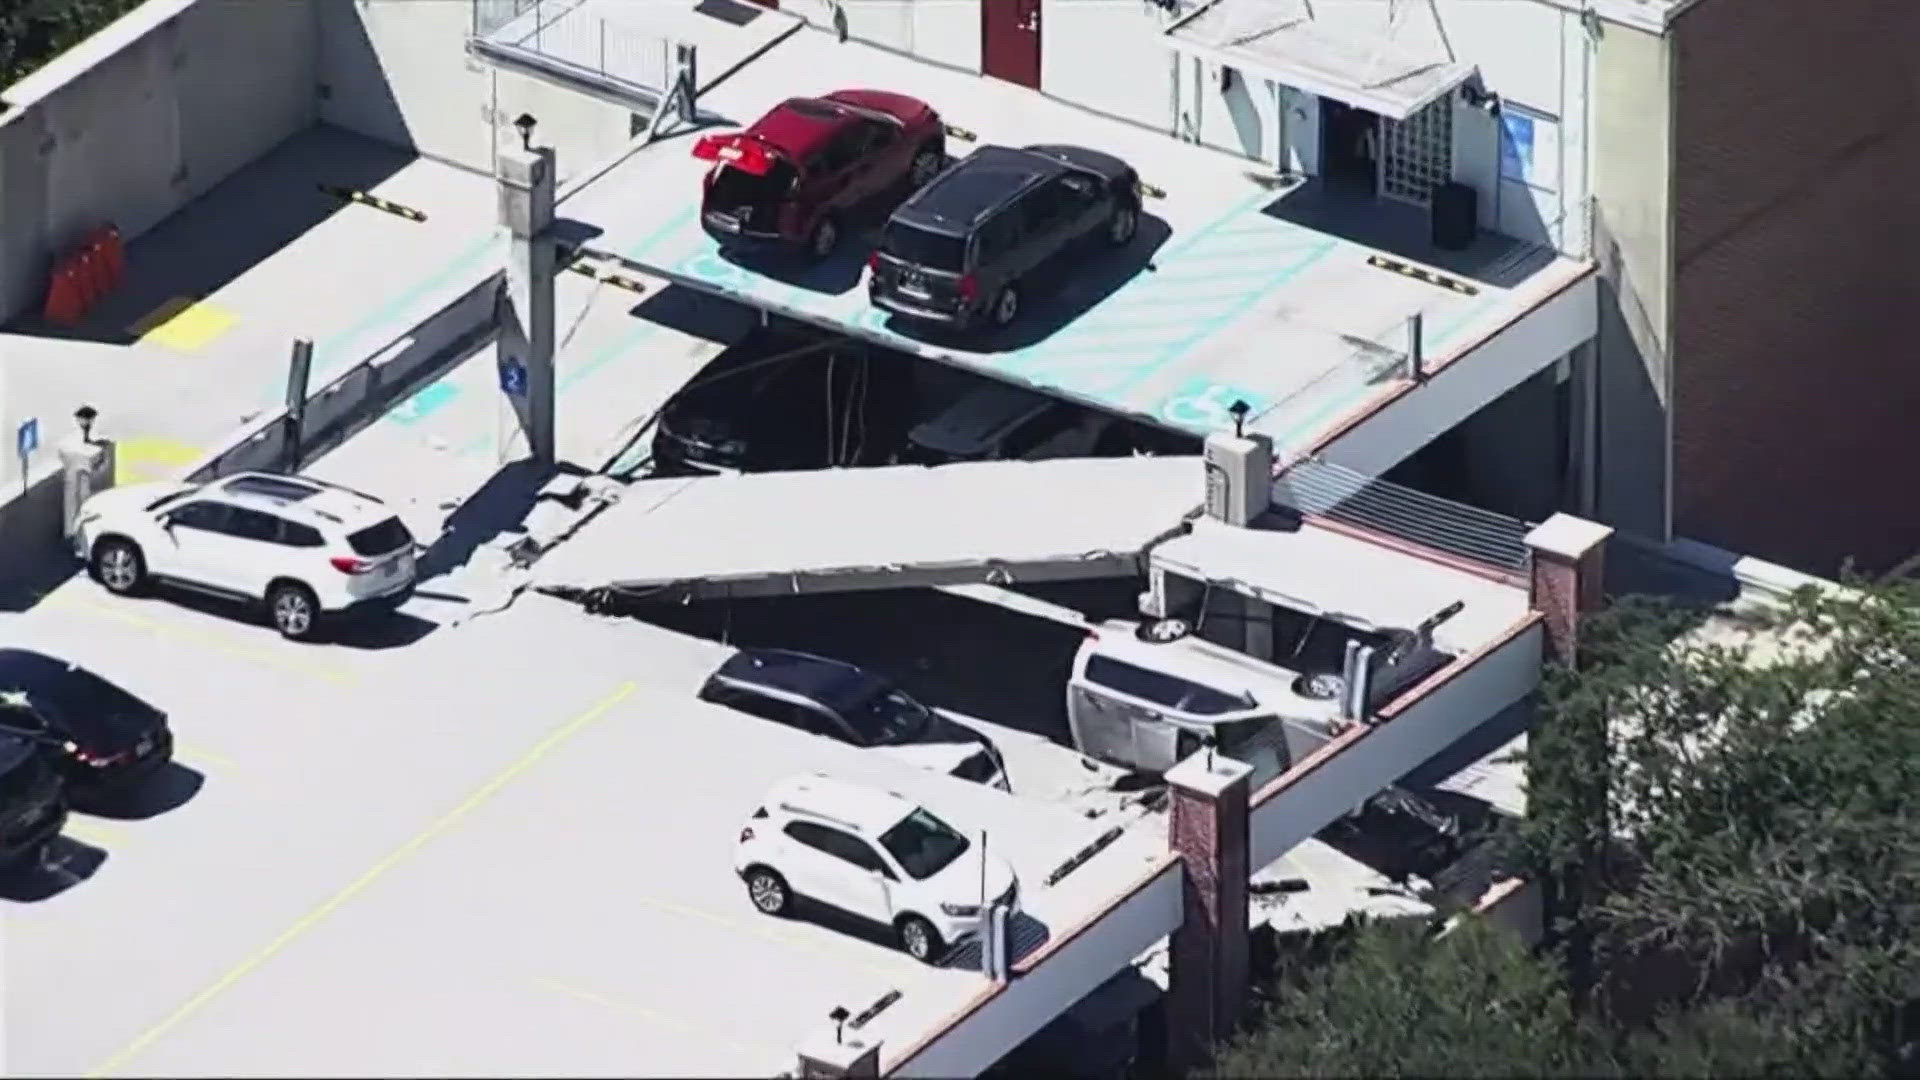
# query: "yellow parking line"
{"type": "Point", "coordinates": [142, 459]}
{"type": "Point", "coordinates": [313, 918]}
{"type": "Point", "coordinates": [97, 833]}
{"type": "Point", "coordinates": [189, 753]}
{"type": "Point", "coordinates": [765, 927]}
{"type": "Point", "coordinates": [643, 1012]}
{"type": "Point", "coordinates": [212, 641]}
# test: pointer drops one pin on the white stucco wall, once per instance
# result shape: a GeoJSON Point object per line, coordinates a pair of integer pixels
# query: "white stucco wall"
{"type": "Point", "coordinates": [1108, 55]}
{"type": "Point", "coordinates": [1534, 56]}
{"type": "Point", "coordinates": [398, 71]}
{"type": "Point", "coordinates": [943, 31]}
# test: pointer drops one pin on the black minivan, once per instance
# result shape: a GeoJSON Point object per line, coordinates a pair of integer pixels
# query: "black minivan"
{"type": "Point", "coordinates": [965, 248]}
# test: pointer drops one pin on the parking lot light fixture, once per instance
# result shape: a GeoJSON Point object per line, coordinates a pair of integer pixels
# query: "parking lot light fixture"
{"type": "Point", "coordinates": [839, 1017]}
{"type": "Point", "coordinates": [1239, 409]}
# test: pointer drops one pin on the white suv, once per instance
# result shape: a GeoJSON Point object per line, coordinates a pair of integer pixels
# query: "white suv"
{"type": "Point", "coordinates": [304, 548]}
{"type": "Point", "coordinates": [873, 854]}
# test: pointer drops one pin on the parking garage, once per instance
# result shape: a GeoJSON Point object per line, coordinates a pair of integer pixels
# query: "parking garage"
{"type": "Point", "coordinates": [415, 801]}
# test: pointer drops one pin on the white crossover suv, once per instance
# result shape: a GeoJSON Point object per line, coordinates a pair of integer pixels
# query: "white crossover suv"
{"type": "Point", "coordinates": [873, 854]}
{"type": "Point", "coordinates": [303, 548]}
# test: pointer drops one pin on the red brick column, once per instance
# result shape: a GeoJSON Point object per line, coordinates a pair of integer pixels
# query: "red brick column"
{"type": "Point", "coordinates": [1568, 576]}
{"type": "Point", "coordinates": [1207, 979]}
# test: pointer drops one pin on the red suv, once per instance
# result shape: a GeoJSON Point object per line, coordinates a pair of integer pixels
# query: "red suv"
{"type": "Point", "coordinates": [791, 180]}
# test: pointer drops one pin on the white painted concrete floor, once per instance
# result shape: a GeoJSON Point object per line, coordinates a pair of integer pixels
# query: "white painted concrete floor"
{"type": "Point", "coordinates": [265, 257]}
{"type": "Point", "coordinates": [501, 849]}
{"type": "Point", "coordinates": [1220, 297]}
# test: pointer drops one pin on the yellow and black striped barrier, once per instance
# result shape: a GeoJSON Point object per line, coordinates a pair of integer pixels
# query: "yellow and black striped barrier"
{"type": "Point", "coordinates": [618, 281]}
{"type": "Point", "coordinates": [1149, 191]}
{"type": "Point", "coordinates": [1422, 274]}
{"type": "Point", "coordinates": [394, 208]}
{"type": "Point", "coordinates": [955, 131]}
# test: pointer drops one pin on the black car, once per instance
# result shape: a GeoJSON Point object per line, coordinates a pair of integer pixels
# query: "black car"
{"type": "Point", "coordinates": [33, 803]}
{"type": "Point", "coordinates": [98, 735]}
{"type": "Point", "coordinates": [785, 400]}
{"type": "Point", "coordinates": [966, 246]}
{"type": "Point", "coordinates": [849, 704]}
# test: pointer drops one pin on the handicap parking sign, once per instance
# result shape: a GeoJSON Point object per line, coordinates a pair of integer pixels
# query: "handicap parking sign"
{"type": "Point", "coordinates": [513, 378]}
{"type": "Point", "coordinates": [1199, 405]}
{"type": "Point", "coordinates": [27, 439]}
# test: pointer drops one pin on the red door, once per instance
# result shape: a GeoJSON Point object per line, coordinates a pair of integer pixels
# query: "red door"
{"type": "Point", "coordinates": [1010, 40]}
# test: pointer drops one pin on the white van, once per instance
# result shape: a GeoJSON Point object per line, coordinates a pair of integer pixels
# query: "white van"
{"type": "Point", "coordinates": [1141, 698]}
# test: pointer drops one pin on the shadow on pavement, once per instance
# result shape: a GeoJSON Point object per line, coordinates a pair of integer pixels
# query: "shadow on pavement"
{"type": "Point", "coordinates": [253, 214]}
{"type": "Point", "coordinates": [69, 863]}
{"type": "Point", "coordinates": [940, 648]}
{"type": "Point", "coordinates": [169, 787]}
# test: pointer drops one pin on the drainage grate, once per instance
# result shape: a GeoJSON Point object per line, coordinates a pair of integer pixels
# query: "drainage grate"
{"type": "Point", "coordinates": [731, 12]}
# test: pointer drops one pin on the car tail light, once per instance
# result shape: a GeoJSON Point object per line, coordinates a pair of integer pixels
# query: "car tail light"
{"type": "Point", "coordinates": [347, 564]}
{"type": "Point", "coordinates": [99, 761]}
{"type": "Point", "coordinates": [969, 287]}
{"type": "Point", "coordinates": [873, 261]}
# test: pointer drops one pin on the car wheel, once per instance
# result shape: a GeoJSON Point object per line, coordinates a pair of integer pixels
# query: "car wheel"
{"type": "Point", "coordinates": [824, 238]}
{"type": "Point", "coordinates": [120, 566]}
{"type": "Point", "coordinates": [1124, 223]}
{"type": "Point", "coordinates": [1006, 306]}
{"type": "Point", "coordinates": [920, 940]}
{"type": "Point", "coordinates": [294, 610]}
{"type": "Point", "coordinates": [768, 891]}
{"type": "Point", "coordinates": [926, 165]}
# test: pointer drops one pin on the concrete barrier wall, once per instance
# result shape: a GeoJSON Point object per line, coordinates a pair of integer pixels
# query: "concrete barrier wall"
{"type": "Point", "coordinates": [30, 527]}
{"type": "Point", "coordinates": [462, 321]}
{"type": "Point", "coordinates": [398, 71]}
{"type": "Point", "coordinates": [141, 119]}
{"type": "Point", "coordinates": [1050, 982]}
{"type": "Point", "coordinates": [1365, 759]}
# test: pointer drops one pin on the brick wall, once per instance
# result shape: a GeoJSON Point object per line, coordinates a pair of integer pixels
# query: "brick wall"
{"type": "Point", "coordinates": [1796, 226]}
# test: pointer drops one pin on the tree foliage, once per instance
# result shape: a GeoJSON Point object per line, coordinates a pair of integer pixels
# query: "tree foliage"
{"type": "Point", "coordinates": [1396, 1001]}
{"type": "Point", "coordinates": [1723, 822]}
{"type": "Point", "coordinates": [33, 32]}
{"type": "Point", "coordinates": [1740, 811]}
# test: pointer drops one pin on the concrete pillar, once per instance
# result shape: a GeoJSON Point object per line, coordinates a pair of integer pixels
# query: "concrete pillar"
{"type": "Point", "coordinates": [1207, 975]}
{"type": "Point", "coordinates": [87, 467]}
{"type": "Point", "coordinates": [836, 1053]}
{"type": "Point", "coordinates": [1567, 576]}
{"type": "Point", "coordinates": [526, 179]}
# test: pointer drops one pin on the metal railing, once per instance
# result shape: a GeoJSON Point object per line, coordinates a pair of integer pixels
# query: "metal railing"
{"type": "Point", "coordinates": [573, 34]}
{"type": "Point", "coordinates": [491, 15]}
{"type": "Point", "coordinates": [1467, 532]}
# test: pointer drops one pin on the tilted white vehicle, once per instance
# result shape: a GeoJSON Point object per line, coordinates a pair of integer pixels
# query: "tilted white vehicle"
{"type": "Point", "coordinates": [303, 548]}
{"type": "Point", "coordinates": [873, 854]}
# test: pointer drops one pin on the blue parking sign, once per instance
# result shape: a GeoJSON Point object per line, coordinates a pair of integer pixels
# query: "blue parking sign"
{"type": "Point", "coordinates": [27, 439]}
{"type": "Point", "coordinates": [513, 378]}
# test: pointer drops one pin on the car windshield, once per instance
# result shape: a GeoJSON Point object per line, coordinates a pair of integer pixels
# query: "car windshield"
{"type": "Point", "coordinates": [935, 251]}
{"type": "Point", "coordinates": [923, 844]}
{"type": "Point", "coordinates": [885, 716]}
